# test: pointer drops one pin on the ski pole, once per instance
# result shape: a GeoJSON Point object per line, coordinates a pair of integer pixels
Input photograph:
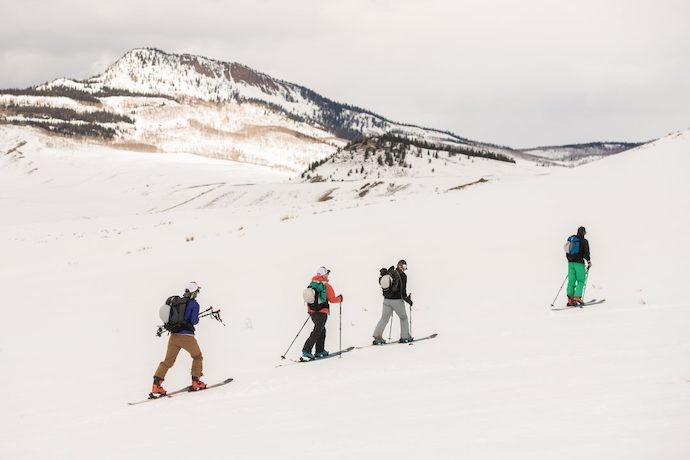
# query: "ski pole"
{"type": "Point", "coordinates": [559, 290]}
{"type": "Point", "coordinates": [390, 330]}
{"type": "Point", "coordinates": [340, 318]}
{"type": "Point", "coordinates": [585, 285]}
{"type": "Point", "coordinates": [293, 340]}
{"type": "Point", "coordinates": [215, 314]}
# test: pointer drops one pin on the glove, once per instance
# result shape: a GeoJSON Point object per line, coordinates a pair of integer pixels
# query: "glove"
{"type": "Point", "coordinates": [409, 300]}
{"type": "Point", "coordinates": [589, 265]}
{"type": "Point", "coordinates": [340, 298]}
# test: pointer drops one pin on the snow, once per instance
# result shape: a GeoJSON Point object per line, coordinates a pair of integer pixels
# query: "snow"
{"type": "Point", "coordinates": [94, 239]}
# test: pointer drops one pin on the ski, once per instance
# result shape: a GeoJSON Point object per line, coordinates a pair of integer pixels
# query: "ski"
{"type": "Point", "coordinates": [586, 304]}
{"type": "Point", "coordinates": [187, 389]}
{"type": "Point", "coordinates": [432, 336]}
{"type": "Point", "coordinates": [302, 360]}
{"type": "Point", "coordinates": [331, 355]}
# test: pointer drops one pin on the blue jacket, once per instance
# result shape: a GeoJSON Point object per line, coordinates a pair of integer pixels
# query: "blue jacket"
{"type": "Point", "coordinates": [191, 315]}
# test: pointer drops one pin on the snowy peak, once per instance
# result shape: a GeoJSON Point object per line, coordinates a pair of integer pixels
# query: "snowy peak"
{"type": "Point", "coordinates": [153, 71]}
{"type": "Point", "coordinates": [192, 104]}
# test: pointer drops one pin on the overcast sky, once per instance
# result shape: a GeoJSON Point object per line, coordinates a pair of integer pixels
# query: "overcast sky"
{"type": "Point", "coordinates": [519, 73]}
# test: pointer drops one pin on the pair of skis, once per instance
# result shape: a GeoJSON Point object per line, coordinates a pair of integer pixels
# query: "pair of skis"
{"type": "Point", "coordinates": [305, 360]}
{"type": "Point", "coordinates": [399, 343]}
{"type": "Point", "coordinates": [187, 389]}
{"type": "Point", "coordinates": [338, 353]}
{"type": "Point", "coordinates": [584, 304]}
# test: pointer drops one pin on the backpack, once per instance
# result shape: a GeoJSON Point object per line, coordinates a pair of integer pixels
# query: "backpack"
{"type": "Point", "coordinates": [572, 246]}
{"type": "Point", "coordinates": [172, 314]}
{"type": "Point", "coordinates": [315, 295]}
{"type": "Point", "coordinates": [387, 281]}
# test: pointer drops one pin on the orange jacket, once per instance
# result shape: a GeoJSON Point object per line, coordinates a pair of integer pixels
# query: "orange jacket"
{"type": "Point", "coordinates": [330, 294]}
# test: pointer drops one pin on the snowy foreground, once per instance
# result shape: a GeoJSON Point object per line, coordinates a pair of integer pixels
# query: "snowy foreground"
{"type": "Point", "coordinates": [94, 241]}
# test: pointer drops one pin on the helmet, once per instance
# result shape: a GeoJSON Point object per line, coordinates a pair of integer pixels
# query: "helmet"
{"type": "Point", "coordinates": [192, 287]}
{"type": "Point", "coordinates": [323, 271]}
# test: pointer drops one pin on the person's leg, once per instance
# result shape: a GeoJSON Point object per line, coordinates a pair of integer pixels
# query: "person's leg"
{"type": "Point", "coordinates": [386, 313]}
{"type": "Point", "coordinates": [401, 311]}
{"type": "Point", "coordinates": [315, 333]}
{"type": "Point", "coordinates": [321, 340]}
{"type": "Point", "coordinates": [572, 278]}
{"type": "Point", "coordinates": [191, 346]}
{"type": "Point", "coordinates": [170, 357]}
{"type": "Point", "coordinates": [580, 275]}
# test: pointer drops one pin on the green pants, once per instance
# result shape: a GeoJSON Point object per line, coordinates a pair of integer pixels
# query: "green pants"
{"type": "Point", "coordinates": [577, 275]}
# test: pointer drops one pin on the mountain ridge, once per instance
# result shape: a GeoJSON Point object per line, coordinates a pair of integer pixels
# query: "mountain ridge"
{"type": "Point", "coordinates": [154, 98]}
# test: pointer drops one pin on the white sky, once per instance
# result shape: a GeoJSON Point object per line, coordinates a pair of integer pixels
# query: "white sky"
{"type": "Point", "coordinates": [519, 73]}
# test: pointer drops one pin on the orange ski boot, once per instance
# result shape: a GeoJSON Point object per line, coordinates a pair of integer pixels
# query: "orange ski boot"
{"type": "Point", "coordinates": [157, 391]}
{"type": "Point", "coordinates": [197, 384]}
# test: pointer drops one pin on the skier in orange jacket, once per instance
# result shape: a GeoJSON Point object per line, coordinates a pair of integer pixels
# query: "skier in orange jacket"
{"type": "Point", "coordinates": [319, 311]}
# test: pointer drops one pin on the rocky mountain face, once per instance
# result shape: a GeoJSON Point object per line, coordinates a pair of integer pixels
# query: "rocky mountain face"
{"type": "Point", "coordinates": [156, 101]}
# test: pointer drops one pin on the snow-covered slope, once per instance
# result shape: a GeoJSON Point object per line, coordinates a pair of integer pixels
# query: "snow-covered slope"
{"type": "Point", "coordinates": [506, 377]}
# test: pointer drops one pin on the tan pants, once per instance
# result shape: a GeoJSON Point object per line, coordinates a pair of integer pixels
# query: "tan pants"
{"type": "Point", "coordinates": [176, 343]}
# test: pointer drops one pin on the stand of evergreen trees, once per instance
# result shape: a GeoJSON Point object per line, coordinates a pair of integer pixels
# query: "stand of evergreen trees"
{"type": "Point", "coordinates": [395, 140]}
{"type": "Point", "coordinates": [76, 94]}
{"type": "Point", "coordinates": [69, 129]}
{"type": "Point", "coordinates": [62, 113]}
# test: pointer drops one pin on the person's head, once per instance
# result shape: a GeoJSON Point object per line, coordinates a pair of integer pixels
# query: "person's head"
{"type": "Point", "coordinates": [402, 265]}
{"type": "Point", "coordinates": [323, 271]}
{"type": "Point", "coordinates": [581, 232]}
{"type": "Point", "coordinates": [192, 290]}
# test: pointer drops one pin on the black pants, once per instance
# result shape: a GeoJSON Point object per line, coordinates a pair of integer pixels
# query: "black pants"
{"type": "Point", "coordinates": [318, 335]}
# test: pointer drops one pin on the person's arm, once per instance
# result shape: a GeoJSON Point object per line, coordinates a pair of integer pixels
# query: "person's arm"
{"type": "Point", "coordinates": [585, 254]}
{"type": "Point", "coordinates": [330, 293]}
{"type": "Point", "coordinates": [194, 312]}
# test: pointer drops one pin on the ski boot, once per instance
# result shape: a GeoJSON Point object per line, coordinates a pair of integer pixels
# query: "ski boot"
{"type": "Point", "coordinates": [405, 340]}
{"type": "Point", "coordinates": [571, 302]}
{"type": "Point", "coordinates": [307, 356]}
{"type": "Point", "coordinates": [578, 302]}
{"type": "Point", "coordinates": [197, 384]}
{"type": "Point", "coordinates": [322, 354]}
{"type": "Point", "coordinates": [157, 391]}
{"type": "Point", "coordinates": [378, 341]}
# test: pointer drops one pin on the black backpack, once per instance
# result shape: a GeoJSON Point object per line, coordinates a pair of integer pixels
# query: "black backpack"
{"type": "Point", "coordinates": [176, 321]}
{"type": "Point", "coordinates": [389, 280]}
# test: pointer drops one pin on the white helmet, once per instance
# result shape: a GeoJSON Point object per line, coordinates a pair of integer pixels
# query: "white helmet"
{"type": "Point", "coordinates": [192, 286]}
{"type": "Point", "coordinates": [323, 271]}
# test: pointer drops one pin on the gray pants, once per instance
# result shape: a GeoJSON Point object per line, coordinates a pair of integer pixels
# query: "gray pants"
{"type": "Point", "coordinates": [389, 306]}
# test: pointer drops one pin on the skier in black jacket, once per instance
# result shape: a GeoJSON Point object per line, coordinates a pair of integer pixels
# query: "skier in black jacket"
{"type": "Point", "coordinates": [394, 299]}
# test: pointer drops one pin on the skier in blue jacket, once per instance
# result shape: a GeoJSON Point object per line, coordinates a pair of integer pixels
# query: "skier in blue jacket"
{"type": "Point", "coordinates": [183, 339]}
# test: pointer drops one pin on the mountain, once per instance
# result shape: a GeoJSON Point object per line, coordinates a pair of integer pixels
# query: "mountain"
{"type": "Point", "coordinates": [576, 154]}
{"type": "Point", "coordinates": [180, 103]}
